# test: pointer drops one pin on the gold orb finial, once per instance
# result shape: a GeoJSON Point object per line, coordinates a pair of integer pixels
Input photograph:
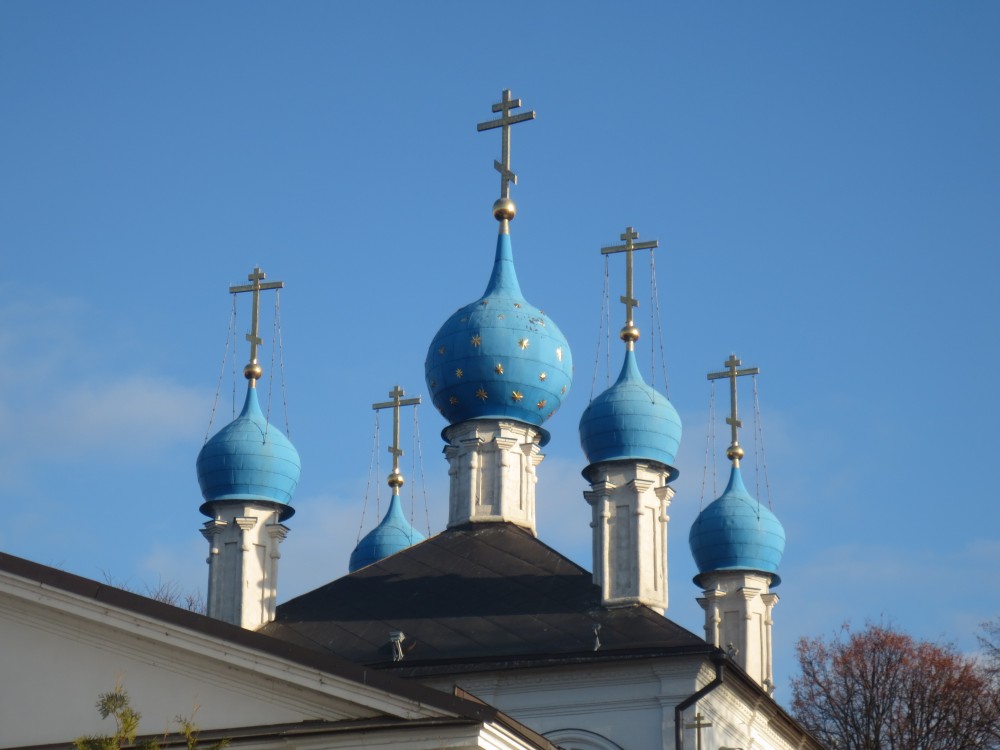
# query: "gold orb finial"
{"type": "Point", "coordinates": [630, 334]}
{"type": "Point", "coordinates": [735, 452]}
{"type": "Point", "coordinates": [253, 371]}
{"type": "Point", "coordinates": [504, 209]}
{"type": "Point", "coordinates": [395, 479]}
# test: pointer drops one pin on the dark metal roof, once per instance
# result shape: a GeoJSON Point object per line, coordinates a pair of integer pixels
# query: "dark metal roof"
{"type": "Point", "coordinates": [478, 593]}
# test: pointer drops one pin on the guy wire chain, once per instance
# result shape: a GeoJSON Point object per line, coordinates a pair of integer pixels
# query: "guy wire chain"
{"type": "Point", "coordinates": [368, 485]}
{"type": "Point", "coordinates": [234, 359]}
{"type": "Point", "coordinates": [763, 452]}
{"type": "Point", "coordinates": [659, 325]}
{"type": "Point", "coordinates": [420, 459]}
{"type": "Point", "coordinates": [709, 433]}
{"type": "Point", "coordinates": [281, 363]}
{"type": "Point", "coordinates": [222, 369]}
{"type": "Point", "coordinates": [607, 328]}
{"type": "Point", "coordinates": [600, 330]}
{"type": "Point", "coordinates": [270, 372]}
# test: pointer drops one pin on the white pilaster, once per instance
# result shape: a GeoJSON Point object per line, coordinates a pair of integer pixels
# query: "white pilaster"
{"type": "Point", "coordinates": [491, 464]}
{"type": "Point", "coordinates": [629, 501]}
{"type": "Point", "coordinates": [738, 608]}
{"type": "Point", "coordinates": [243, 541]}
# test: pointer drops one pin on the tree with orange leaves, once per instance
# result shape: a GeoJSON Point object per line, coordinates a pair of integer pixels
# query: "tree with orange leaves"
{"type": "Point", "coordinates": [879, 689]}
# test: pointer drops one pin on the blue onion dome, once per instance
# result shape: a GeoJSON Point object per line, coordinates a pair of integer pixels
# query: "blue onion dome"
{"type": "Point", "coordinates": [630, 420]}
{"type": "Point", "coordinates": [499, 357]}
{"type": "Point", "coordinates": [393, 534]}
{"type": "Point", "coordinates": [249, 459]}
{"type": "Point", "coordinates": [736, 532]}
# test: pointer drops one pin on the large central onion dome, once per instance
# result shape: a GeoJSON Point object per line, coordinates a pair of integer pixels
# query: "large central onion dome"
{"type": "Point", "coordinates": [249, 460]}
{"type": "Point", "coordinates": [630, 420]}
{"type": "Point", "coordinates": [736, 532]}
{"type": "Point", "coordinates": [499, 357]}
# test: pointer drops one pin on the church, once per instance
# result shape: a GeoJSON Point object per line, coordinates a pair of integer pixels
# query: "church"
{"type": "Point", "coordinates": [481, 636]}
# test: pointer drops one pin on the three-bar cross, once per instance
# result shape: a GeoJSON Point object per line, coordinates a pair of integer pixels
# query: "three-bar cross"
{"type": "Point", "coordinates": [505, 105]}
{"type": "Point", "coordinates": [733, 420]}
{"type": "Point", "coordinates": [397, 401]}
{"type": "Point", "coordinates": [699, 724]}
{"type": "Point", "coordinates": [256, 287]}
{"type": "Point", "coordinates": [629, 236]}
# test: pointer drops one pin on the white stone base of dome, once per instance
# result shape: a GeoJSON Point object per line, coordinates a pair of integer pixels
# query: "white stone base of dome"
{"type": "Point", "coordinates": [629, 501]}
{"type": "Point", "coordinates": [491, 466]}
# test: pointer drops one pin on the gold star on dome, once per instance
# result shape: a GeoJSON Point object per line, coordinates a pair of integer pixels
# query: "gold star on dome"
{"type": "Point", "coordinates": [563, 391]}
{"type": "Point", "coordinates": [501, 316]}
{"type": "Point", "coordinates": [559, 353]}
{"type": "Point", "coordinates": [516, 395]}
{"type": "Point", "coordinates": [541, 404]}
{"type": "Point", "coordinates": [523, 343]}
{"type": "Point", "coordinates": [549, 415]}
{"type": "Point", "coordinates": [458, 373]}
{"type": "Point", "coordinates": [485, 302]}
{"type": "Point", "coordinates": [517, 305]}
{"type": "Point", "coordinates": [542, 376]}
{"type": "Point", "coordinates": [453, 400]}
{"type": "Point", "coordinates": [476, 340]}
{"type": "Point", "coordinates": [481, 394]}
{"type": "Point", "coordinates": [498, 369]}
{"type": "Point", "coordinates": [440, 350]}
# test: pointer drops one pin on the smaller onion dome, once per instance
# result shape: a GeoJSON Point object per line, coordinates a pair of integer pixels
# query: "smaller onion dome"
{"type": "Point", "coordinates": [630, 420]}
{"type": "Point", "coordinates": [499, 357]}
{"type": "Point", "coordinates": [393, 534]}
{"type": "Point", "coordinates": [736, 532]}
{"type": "Point", "coordinates": [249, 459]}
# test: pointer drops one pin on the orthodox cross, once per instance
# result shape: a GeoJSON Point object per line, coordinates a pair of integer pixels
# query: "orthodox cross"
{"type": "Point", "coordinates": [397, 401]}
{"type": "Point", "coordinates": [506, 119]}
{"type": "Point", "coordinates": [699, 724]}
{"type": "Point", "coordinates": [734, 452]}
{"type": "Point", "coordinates": [630, 302]}
{"type": "Point", "coordinates": [256, 287]}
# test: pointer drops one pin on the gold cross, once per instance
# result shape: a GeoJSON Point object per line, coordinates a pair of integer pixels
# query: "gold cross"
{"type": "Point", "coordinates": [256, 287]}
{"type": "Point", "coordinates": [505, 105]}
{"type": "Point", "coordinates": [396, 479]}
{"type": "Point", "coordinates": [735, 453]}
{"type": "Point", "coordinates": [630, 333]}
{"type": "Point", "coordinates": [699, 724]}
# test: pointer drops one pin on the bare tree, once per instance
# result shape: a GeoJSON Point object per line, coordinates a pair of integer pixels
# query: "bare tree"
{"type": "Point", "coordinates": [879, 689]}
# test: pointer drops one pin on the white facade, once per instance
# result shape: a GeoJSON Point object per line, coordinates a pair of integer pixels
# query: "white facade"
{"type": "Point", "coordinates": [629, 501]}
{"type": "Point", "coordinates": [630, 705]}
{"type": "Point", "coordinates": [491, 468]}
{"type": "Point", "coordinates": [243, 553]}
{"type": "Point", "coordinates": [63, 648]}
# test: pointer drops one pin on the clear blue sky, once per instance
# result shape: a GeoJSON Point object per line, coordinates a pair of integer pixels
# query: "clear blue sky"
{"type": "Point", "coordinates": [824, 180]}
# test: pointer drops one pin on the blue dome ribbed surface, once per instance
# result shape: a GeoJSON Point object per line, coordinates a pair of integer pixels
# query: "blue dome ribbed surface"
{"type": "Point", "coordinates": [249, 459]}
{"type": "Point", "coordinates": [630, 420]}
{"type": "Point", "coordinates": [499, 357]}
{"type": "Point", "coordinates": [736, 532]}
{"type": "Point", "coordinates": [393, 534]}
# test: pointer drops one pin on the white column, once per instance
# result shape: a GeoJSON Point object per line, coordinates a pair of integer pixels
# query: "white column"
{"type": "Point", "coordinates": [629, 502]}
{"type": "Point", "coordinates": [244, 539]}
{"type": "Point", "coordinates": [738, 608]}
{"type": "Point", "coordinates": [491, 464]}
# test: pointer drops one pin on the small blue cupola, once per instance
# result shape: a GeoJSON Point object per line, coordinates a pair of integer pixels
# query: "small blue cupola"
{"type": "Point", "coordinates": [249, 460]}
{"type": "Point", "coordinates": [393, 534]}
{"type": "Point", "coordinates": [630, 421]}
{"type": "Point", "coordinates": [736, 532]}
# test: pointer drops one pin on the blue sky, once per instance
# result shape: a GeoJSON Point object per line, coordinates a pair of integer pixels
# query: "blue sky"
{"type": "Point", "coordinates": [824, 181]}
